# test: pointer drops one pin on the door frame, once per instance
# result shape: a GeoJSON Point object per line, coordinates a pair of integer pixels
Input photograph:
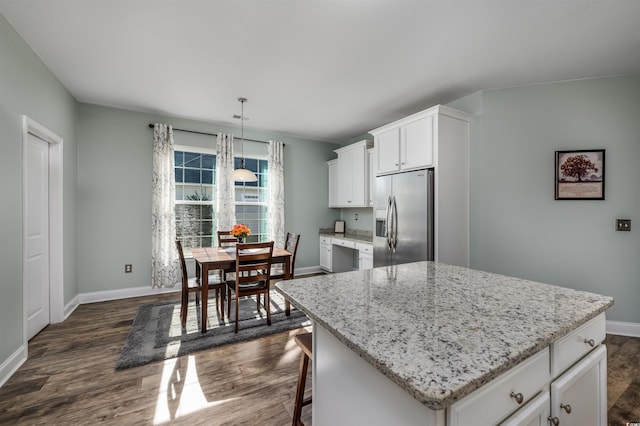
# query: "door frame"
{"type": "Point", "coordinates": [56, 246]}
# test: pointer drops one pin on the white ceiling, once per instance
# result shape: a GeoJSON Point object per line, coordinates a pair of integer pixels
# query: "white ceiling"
{"type": "Point", "coordinates": [322, 69]}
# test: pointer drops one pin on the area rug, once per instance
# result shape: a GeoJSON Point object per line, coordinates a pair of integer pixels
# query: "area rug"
{"type": "Point", "coordinates": [156, 333]}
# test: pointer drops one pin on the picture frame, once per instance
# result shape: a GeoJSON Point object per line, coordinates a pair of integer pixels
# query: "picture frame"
{"type": "Point", "coordinates": [580, 174]}
{"type": "Point", "coordinates": [338, 227]}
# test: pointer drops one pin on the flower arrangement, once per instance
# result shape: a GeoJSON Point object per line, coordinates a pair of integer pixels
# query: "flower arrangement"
{"type": "Point", "coordinates": [240, 231]}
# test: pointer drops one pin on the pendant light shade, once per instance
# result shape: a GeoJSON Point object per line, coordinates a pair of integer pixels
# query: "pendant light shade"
{"type": "Point", "coordinates": [242, 174]}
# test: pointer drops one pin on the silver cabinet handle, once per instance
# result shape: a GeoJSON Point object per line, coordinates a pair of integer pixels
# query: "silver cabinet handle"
{"type": "Point", "coordinates": [518, 397]}
{"type": "Point", "coordinates": [553, 420]}
{"type": "Point", "coordinates": [566, 408]}
{"type": "Point", "coordinates": [590, 342]}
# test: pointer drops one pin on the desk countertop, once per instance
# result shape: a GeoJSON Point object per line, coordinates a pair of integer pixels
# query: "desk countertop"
{"type": "Point", "coordinates": [441, 331]}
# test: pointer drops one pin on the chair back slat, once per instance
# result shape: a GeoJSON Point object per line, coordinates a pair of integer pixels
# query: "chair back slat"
{"type": "Point", "coordinates": [225, 239]}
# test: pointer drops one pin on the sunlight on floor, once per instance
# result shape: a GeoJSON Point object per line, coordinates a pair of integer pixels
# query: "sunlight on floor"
{"type": "Point", "coordinates": [179, 396]}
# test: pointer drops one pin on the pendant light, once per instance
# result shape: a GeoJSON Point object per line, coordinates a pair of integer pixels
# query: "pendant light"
{"type": "Point", "coordinates": [242, 174]}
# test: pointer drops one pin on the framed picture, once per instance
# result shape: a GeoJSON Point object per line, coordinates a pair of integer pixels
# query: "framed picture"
{"type": "Point", "coordinates": [338, 227]}
{"type": "Point", "coordinates": [580, 175]}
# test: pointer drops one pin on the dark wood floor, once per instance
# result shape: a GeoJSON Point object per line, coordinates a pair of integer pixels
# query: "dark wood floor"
{"type": "Point", "coordinates": [69, 378]}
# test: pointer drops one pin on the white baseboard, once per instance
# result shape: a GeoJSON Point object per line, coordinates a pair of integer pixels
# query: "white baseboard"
{"type": "Point", "coordinates": [308, 270]}
{"type": "Point", "coordinates": [125, 293]}
{"type": "Point", "coordinates": [71, 306]}
{"type": "Point", "coordinates": [623, 328]}
{"type": "Point", "coordinates": [11, 365]}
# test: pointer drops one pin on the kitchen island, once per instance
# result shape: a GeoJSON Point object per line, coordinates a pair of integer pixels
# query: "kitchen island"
{"type": "Point", "coordinates": [434, 344]}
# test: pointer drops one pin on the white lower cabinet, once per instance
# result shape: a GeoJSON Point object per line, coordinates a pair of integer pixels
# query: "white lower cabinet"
{"type": "Point", "coordinates": [570, 390]}
{"type": "Point", "coordinates": [365, 256]}
{"type": "Point", "coordinates": [325, 254]}
{"type": "Point", "coordinates": [535, 413]}
{"type": "Point", "coordinates": [502, 396]}
{"type": "Point", "coordinates": [579, 396]}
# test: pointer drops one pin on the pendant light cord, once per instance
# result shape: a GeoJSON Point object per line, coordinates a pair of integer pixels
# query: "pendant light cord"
{"type": "Point", "coordinates": [242, 101]}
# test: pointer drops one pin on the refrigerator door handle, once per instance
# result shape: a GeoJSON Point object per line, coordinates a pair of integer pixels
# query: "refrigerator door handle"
{"type": "Point", "coordinates": [395, 224]}
{"type": "Point", "coordinates": [388, 223]}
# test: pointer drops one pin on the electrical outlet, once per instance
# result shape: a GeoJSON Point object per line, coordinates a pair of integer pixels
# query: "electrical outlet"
{"type": "Point", "coordinates": [128, 268]}
{"type": "Point", "coordinates": [623, 224]}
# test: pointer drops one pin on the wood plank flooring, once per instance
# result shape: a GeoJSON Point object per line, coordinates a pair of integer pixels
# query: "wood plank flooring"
{"type": "Point", "coordinates": [69, 378]}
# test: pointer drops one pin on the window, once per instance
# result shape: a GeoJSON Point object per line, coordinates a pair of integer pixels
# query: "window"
{"type": "Point", "coordinates": [195, 174]}
{"type": "Point", "coordinates": [252, 197]}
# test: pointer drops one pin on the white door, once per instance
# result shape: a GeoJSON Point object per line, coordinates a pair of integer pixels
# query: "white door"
{"type": "Point", "coordinates": [37, 234]}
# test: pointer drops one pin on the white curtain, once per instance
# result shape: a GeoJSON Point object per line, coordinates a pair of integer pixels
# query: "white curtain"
{"type": "Point", "coordinates": [164, 264]}
{"type": "Point", "coordinates": [225, 187]}
{"type": "Point", "coordinates": [275, 227]}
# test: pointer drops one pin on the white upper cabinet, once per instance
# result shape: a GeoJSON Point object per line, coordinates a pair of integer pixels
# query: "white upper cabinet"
{"type": "Point", "coordinates": [349, 181]}
{"type": "Point", "coordinates": [372, 176]}
{"type": "Point", "coordinates": [406, 146]}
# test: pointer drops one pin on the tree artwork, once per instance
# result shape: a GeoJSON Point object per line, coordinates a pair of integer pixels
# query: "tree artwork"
{"type": "Point", "coordinates": [578, 166]}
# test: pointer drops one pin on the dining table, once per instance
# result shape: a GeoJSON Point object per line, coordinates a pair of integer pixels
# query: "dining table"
{"type": "Point", "coordinates": [224, 258]}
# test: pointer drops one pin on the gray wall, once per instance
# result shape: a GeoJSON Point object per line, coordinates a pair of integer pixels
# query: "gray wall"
{"type": "Point", "coordinates": [27, 87]}
{"type": "Point", "coordinates": [114, 192]}
{"type": "Point", "coordinates": [517, 228]}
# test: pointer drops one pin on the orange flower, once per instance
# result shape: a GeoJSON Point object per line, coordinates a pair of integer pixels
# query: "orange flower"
{"type": "Point", "coordinates": [240, 230]}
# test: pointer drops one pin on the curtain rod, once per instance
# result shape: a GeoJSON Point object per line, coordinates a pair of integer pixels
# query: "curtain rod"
{"type": "Point", "coordinates": [208, 134]}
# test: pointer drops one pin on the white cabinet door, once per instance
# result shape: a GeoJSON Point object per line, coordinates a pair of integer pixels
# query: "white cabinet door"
{"type": "Point", "coordinates": [349, 185]}
{"type": "Point", "coordinates": [535, 413]}
{"type": "Point", "coordinates": [387, 146]}
{"type": "Point", "coordinates": [416, 150]}
{"type": "Point", "coordinates": [325, 255]}
{"type": "Point", "coordinates": [334, 186]}
{"type": "Point", "coordinates": [579, 396]}
{"type": "Point", "coordinates": [365, 262]}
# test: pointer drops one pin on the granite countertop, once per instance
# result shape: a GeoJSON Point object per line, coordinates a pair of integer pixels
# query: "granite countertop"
{"type": "Point", "coordinates": [356, 235]}
{"type": "Point", "coordinates": [441, 331]}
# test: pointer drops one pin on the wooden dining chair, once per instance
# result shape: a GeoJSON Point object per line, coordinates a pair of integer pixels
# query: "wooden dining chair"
{"type": "Point", "coordinates": [291, 245]}
{"type": "Point", "coordinates": [194, 285]}
{"type": "Point", "coordinates": [253, 266]}
{"type": "Point", "coordinates": [226, 240]}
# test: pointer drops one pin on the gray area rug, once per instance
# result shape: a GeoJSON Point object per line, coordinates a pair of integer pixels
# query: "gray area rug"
{"type": "Point", "coordinates": [156, 333]}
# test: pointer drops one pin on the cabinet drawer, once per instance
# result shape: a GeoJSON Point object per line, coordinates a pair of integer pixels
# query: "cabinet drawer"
{"type": "Point", "coordinates": [343, 243]}
{"type": "Point", "coordinates": [569, 349]}
{"type": "Point", "coordinates": [364, 248]}
{"type": "Point", "coordinates": [493, 402]}
{"type": "Point", "coordinates": [325, 240]}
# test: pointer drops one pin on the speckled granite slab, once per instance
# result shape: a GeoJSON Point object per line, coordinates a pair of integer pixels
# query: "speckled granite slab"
{"type": "Point", "coordinates": [351, 234]}
{"type": "Point", "coordinates": [441, 331]}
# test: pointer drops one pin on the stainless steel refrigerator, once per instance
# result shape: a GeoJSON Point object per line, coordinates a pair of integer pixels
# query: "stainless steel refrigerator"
{"type": "Point", "coordinates": [403, 216]}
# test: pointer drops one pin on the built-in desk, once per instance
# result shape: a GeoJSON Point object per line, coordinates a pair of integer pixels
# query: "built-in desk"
{"type": "Point", "coordinates": [343, 253]}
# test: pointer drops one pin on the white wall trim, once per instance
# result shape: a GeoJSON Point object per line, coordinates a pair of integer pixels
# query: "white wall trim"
{"type": "Point", "coordinates": [623, 328]}
{"type": "Point", "coordinates": [125, 293]}
{"type": "Point", "coordinates": [11, 364]}
{"type": "Point", "coordinates": [71, 306]}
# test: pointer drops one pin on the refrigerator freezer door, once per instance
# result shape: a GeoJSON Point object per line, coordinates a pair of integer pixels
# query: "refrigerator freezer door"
{"type": "Point", "coordinates": [381, 250]}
